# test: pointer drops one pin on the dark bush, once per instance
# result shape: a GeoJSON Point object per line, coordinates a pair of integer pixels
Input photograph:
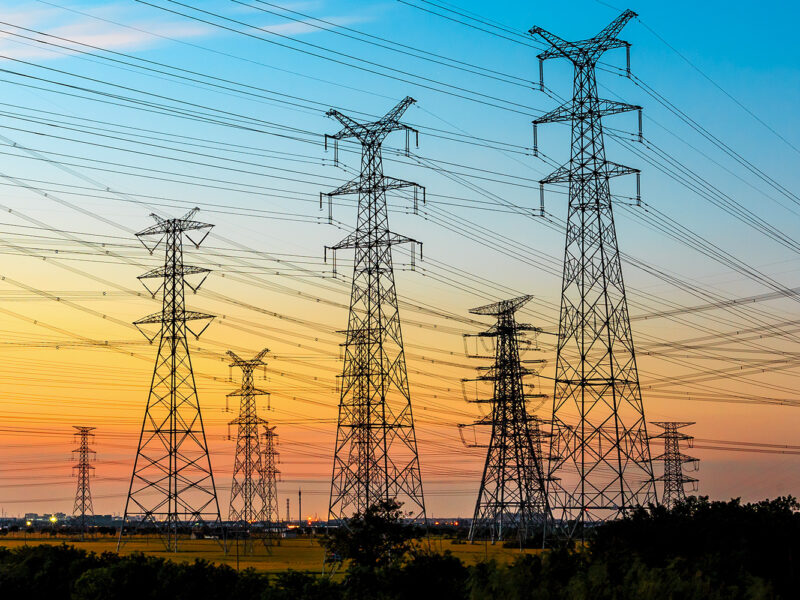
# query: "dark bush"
{"type": "Point", "coordinates": [698, 550]}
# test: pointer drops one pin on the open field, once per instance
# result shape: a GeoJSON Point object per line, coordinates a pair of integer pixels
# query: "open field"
{"type": "Point", "coordinates": [300, 554]}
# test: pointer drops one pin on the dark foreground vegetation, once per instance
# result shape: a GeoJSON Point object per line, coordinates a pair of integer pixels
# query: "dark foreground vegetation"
{"type": "Point", "coordinates": [699, 550]}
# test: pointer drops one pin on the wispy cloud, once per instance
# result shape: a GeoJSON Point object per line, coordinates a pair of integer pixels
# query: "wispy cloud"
{"type": "Point", "coordinates": [311, 26]}
{"type": "Point", "coordinates": [127, 28]}
{"type": "Point", "coordinates": [113, 27]}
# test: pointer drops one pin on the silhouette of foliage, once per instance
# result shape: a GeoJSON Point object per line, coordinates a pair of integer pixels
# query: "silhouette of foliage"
{"type": "Point", "coordinates": [698, 550]}
{"type": "Point", "coordinates": [375, 538]}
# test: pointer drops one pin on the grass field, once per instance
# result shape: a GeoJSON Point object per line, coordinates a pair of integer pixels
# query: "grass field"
{"type": "Point", "coordinates": [300, 554]}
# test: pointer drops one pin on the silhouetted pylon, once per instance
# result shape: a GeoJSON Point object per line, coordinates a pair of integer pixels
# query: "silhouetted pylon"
{"type": "Point", "coordinates": [375, 458]}
{"type": "Point", "coordinates": [247, 487]}
{"type": "Point", "coordinates": [512, 501]}
{"type": "Point", "coordinates": [172, 485]}
{"type": "Point", "coordinates": [674, 478]}
{"type": "Point", "coordinates": [84, 469]}
{"type": "Point", "coordinates": [600, 464]}
{"type": "Point", "coordinates": [270, 477]}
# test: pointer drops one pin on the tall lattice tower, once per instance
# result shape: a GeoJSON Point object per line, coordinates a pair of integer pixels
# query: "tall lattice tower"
{"type": "Point", "coordinates": [270, 476]}
{"type": "Point", "coordinates": [83, 469]}
{"type": "Point", "coordinates": [600, 464]}
{"type": "Point", "coordinates": [674, 478]}
{"type": "Point", "coordinates": [512, 501]}
{"type": "Point", "coordinates": [248, 498]}
{"type": "Point", "coordinates": [172, 485]}
{"type": "Point", "coordinates": [376, 454]}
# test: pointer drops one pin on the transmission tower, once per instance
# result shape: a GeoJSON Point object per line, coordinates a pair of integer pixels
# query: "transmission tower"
{"type": "Point", "coordinates": [248, 499]}
{"type": "Point", "coordinates": [512, 501]}
{"type": "Point", "coordinates": [270, 476]}
{"type": "Point", "coordinates": [172, 485]}
{"type": "Point", "coordinates": [674, 479]}
{"type": "Point", "coordinates": [83, 469]}
{"type": "Point", "coordinates": [600, 464]}
{"type": "Point", "coordinates": [376, 454]}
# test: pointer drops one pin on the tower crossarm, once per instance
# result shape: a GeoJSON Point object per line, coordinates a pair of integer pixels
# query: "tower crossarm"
{"type": "Point", "coordinates": [181, 271]}
{"type": "Point", "coordinates": [568, 111]}
{"type": "Point", "coordinates": [393, 115]}
{"type": "Point", "coordinates": [567, 173]}
{"type": "Point", "coordinates": [676, 456]}
{"type": "Point", "coordinates": [371, 132]}
{"type": "Point", "coordinates": [617, 170]}
{"type": "Point", "coordinates": [250, 391]}
{"type": "Point", "coordinates": [680, 479]}
{"type": "Point", "coordinates": [560, 48]}
{"type": "Point", "coordinates": [504, 306]}
{"type": "Point", "coordinates": [607, 39]}
{"type": "Point", "coordinates": [670, 424]}
{"type": "Point", "coordinates": [247, 420]}
{"type": "Point", "coordinates": [562, 174]}
{"type": "Point", "coordinates": [584, 51]}
{"type": "Point", "coordinates": [189, 315]}
{"type": "Point", "coordinates": [356, 240]}
{"type": "Point", "coordinates": [353, 186]}
{"type": "Point", "coordinates": [256, 361]}
{"type": "Point", "coordinates": [672, 435]}
{"type": "Point", "coordinates": [392, 183]}
{"type": "Point", "coordinates": [161, 272]}
{"type": "Point", "coordinates": [383, 184]}
{"type": "Point", "coordinates": [185, 223]}
{"type": "Point", "coordinates": [165, 321]}
{"type": "Point", "coordinates": [352, 128]}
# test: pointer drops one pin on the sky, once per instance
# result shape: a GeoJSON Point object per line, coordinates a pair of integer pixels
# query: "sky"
{"type": "Point", "coordinates": [113, 110]}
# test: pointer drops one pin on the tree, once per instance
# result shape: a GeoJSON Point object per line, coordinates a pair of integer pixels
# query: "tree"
{"type": "Point", "coordinates": [376, 538]}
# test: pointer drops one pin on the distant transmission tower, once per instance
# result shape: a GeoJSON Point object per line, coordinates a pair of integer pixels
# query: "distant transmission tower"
{"type": "Point", "coordinates": [248, 499]}
{"type": "Point", "coordinates": [376, 448]}
{"type": "Point", "coordinates": [172, 486]}
{"type": "Point", "coordinates": [673, 477]}
{"type": "Point", "coordinates": [270, 476]}
{"type": "Point", "coordinates": [512, 501]}
{"type": "Point", "coordinates": [83, 468]}
{"type": "Point", "coordinates": [600, 457]}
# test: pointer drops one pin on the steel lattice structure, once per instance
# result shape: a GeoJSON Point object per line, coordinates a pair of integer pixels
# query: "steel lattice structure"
{"type": "Point", "coordinates": [83, 468]}
{"type": "Point", "coordinates": [376, 454]}
{"type": "Point", "coordinates": [270, 476]}
{"type": "Point", "coordinates": [600, 464]}
{"type": "Point", "coordinates": [674, 478]}
{"type": "Point", "coordinates": [512, 501]}
{"type": "Point", "coordinates": [248, 491]}
{"type": "Point", "coordinates": [172, 485]}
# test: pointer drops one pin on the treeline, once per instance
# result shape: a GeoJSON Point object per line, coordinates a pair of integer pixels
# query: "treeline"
{"type": "Point", "coordinates": [698, 550]}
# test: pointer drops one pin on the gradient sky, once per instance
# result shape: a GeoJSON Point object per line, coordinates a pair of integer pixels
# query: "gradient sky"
{"type": "Point", "coordinates": [73, 192]}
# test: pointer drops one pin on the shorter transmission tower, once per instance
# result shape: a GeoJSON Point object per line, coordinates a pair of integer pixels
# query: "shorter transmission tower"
{"type": "Point", "coordinates": [83, 468]}
{"type": "Point", "coordinates": [674, 478]}
{"type": "Point", "coordinates": [247, 488]}
{"type": "Point", "coordinates": [270, 476]}
{"type": "Point", "coordinates": [512, 501]}
{"type": "Point", "coordinates": [172, 486]}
